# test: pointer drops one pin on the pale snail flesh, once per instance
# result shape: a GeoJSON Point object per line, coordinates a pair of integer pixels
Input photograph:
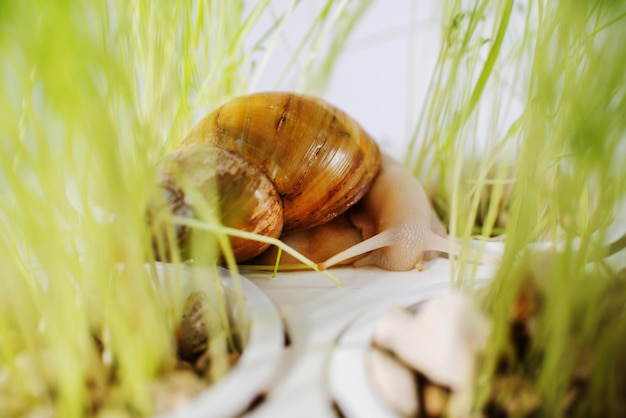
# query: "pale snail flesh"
{"type": "Point", "coordinates": [340, 200]}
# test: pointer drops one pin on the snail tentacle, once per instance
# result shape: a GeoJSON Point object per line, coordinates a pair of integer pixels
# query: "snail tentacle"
{"type": "Point", "coordinates": [380, 240]}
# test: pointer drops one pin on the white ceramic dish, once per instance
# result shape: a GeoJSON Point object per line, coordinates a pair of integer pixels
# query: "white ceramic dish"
{"type": "Point", "coordinates": [258, 364]}
{"type": "Point", "coordinates": [349, 381]}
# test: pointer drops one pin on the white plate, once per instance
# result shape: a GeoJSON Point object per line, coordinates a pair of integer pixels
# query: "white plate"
{"type": "Point", "coordinates": [350, 384]}
{"type": "Point", "coordinates": [259, 362]}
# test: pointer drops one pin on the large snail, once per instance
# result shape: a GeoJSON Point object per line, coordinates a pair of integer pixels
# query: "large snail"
{"type": "Point", "coordinates": [294, 166]}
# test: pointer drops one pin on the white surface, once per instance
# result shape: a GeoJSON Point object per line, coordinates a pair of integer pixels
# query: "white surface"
{"type": "Point", "coordinates": [316, 312]}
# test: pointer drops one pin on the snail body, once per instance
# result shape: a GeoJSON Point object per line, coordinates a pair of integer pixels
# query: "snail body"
{"type": "Point", "coordinates": [335, 197]}
{"type": "Point", "coordinates": [399, 226]}
{"type": "Point", "coordinates": [393, 227]}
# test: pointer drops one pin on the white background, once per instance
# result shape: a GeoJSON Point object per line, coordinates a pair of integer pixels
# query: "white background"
{"type": "Point", "coordinates": [381, 76]}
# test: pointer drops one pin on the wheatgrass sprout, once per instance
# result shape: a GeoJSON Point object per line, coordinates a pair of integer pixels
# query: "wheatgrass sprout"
{"type": "Point", "coordinates": [463, 146]}
{"type": "Point", "coordinates": [558, 318]}
{"type": "Point", "coordinates": [523, 135]}
{"type": "Point", "coordinates": [93, 95]}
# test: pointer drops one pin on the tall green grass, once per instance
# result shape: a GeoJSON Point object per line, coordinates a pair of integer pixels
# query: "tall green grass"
{"type": "Point", "coordinates": [570, 183]}
{"type": "Point", "coordinates": [463, 145]}
{"type": "Point", "coordinates": [542, 86]}
{"type": "Point", "coordinates": [93, 95]}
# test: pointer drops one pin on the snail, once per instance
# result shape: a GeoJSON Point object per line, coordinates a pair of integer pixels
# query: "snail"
{"type": "Point", "coordinates": [293, 166]}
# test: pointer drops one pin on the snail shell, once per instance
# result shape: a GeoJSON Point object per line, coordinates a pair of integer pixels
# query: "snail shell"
{"type": "Point", "coordinates": [317, 162]}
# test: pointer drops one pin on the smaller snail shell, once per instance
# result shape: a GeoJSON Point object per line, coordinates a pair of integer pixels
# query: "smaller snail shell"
{"type": "Point", "coordinates": [193, 331]}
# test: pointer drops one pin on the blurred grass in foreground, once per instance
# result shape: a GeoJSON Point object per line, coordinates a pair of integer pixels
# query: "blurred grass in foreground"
{"type": "Point", "coordinates": [542, 85]}
{"type": "Point", "coordinates": [570, 184]}
{"type": "Point", "coordinates": [93, 94]}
